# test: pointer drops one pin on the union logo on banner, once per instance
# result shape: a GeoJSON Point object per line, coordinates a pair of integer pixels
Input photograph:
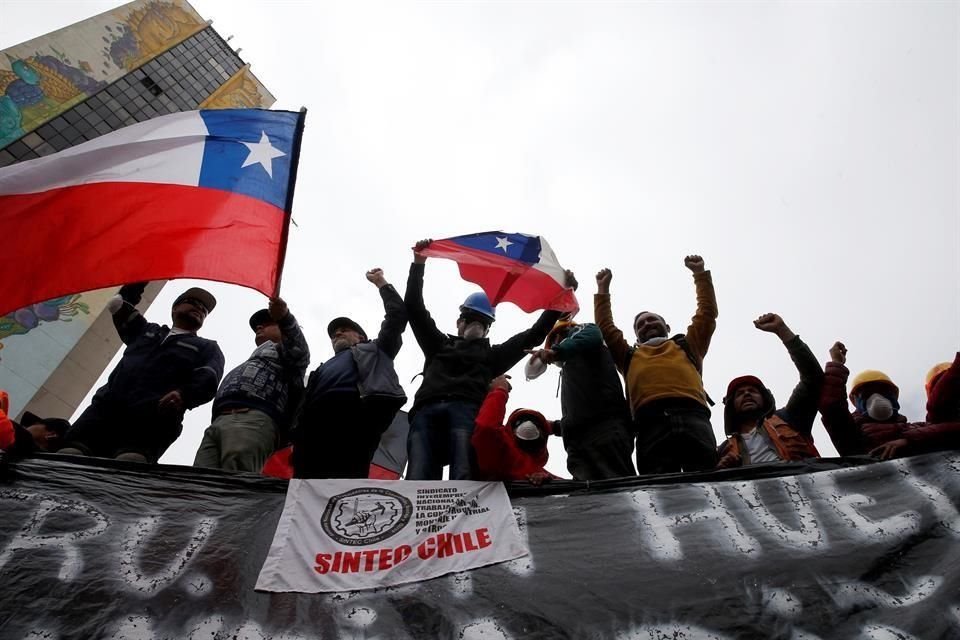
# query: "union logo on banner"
{"type": "Point", "coordinates": [365, 516]}
{"type": "Point", "coordinates": [345, 535]}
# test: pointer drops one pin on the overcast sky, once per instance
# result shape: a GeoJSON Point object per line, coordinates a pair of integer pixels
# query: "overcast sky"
{"type": "Point", "coordinates": [809, 151]}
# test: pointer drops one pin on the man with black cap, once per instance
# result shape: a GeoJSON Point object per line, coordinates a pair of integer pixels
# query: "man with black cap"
{"type": "Point", "coordinates": [352, 397]}
{"type": "Point", "coordinates": [164, 371]}
{"type": "Point", "coordinates": [254, 404]}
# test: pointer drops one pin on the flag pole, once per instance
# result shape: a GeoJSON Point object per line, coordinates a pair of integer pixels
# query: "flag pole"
{"type": "Point", "coordinates": [288, 207]}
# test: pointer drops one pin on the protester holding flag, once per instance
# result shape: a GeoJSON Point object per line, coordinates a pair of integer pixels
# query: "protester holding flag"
{"type": "Point", "coordinates": [255, 401]}
{"type": "Point", "coordinates": [665, 391]}
{"type": "Point", "coordinates": [164, 371]}
{"type": "Point", "coordinates": [514, 450]}
{"type": "Point", "coordinates": [458, 369]}
{"type": "Point", "coordinates": [756, 430]}
{"type": "Point", "coordinates": [351, 399]}
{"type": "Point", "coordinates": [875, 427]}
{"type": "Point", "coordinates": [595, 422]}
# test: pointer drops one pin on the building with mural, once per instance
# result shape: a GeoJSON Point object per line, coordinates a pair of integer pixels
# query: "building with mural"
{"type": "Point", "coordinates": [141, 60]}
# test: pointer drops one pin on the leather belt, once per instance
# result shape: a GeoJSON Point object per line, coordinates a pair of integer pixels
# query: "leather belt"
{"type": "Point", "coordinates": [227, 412]}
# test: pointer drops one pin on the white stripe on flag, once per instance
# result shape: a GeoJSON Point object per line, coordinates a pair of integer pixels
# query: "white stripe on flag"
{"type": "Point", "coordinates": [165, 150]}
{"type": "Point", "coordinates": [549, 265]}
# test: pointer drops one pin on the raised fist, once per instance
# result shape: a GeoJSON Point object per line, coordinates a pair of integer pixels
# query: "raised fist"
{"type": "Point", "coordinates": [375, 276]}
{"type": "Point", "coordinates": [838, 353]}
{"type": "Point", "coordinates": [694, 263]}
{"type": "Point", "coordinates": [278, 309]}
{"type": "Point", "coordinates": [571, 280]}
{"type": "Point", "coordinates": [772, 323]}
{"type": "Point", "coordinates": [132, 293]}
{"type": "Point", "coordinates": [604, 276]}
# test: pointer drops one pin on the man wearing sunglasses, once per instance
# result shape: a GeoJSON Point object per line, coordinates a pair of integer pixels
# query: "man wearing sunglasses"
{"type": "Point", "coordinates": [164, 371]}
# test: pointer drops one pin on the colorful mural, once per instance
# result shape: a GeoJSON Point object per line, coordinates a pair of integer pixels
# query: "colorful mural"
{"type": "Point", "coordinates": [147, 30]}
{"type": "Point", "coordinates": [38, 81]}
{"type": "Point", "coordinates": [35, 341]}
{"type": "Point", "coordinates": [241, 91]}
{"type": "Point", "coordinates": [24, 320]}
{"type": "Point", "coordinates": [38, 88]}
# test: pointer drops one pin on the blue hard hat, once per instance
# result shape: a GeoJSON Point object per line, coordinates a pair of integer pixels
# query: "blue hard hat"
{"type": "Point", "coordinates": [479, 303]}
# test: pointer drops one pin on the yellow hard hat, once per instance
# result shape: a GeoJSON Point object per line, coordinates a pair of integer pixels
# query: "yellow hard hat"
{"type": "Point", "coordinates": [934, 373]}
{"type": "Point", "coordinates": [554, 336]}
{"type": "Point", "coordinates": [869, 376]}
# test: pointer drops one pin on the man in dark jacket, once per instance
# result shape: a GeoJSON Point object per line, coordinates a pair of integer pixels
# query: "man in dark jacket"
{"type": "Point", "coordinates": [875, 427]}
{"type": "Point", "coordinates": [457, 371]}
{"type": "Point", "coordinates": [252, 405]}
{"type": "Point", "coordinates": [351, 398]}
{"type": "Point", "coordinates": [756, 430]}
{"type": "Point", "coordinates": [595, 422]}
{"type": "Point", "coordinates": [164, 371]}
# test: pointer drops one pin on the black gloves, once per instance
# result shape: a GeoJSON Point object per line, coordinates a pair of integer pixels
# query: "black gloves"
{"type": "Point", "coordinates": [132, 293]}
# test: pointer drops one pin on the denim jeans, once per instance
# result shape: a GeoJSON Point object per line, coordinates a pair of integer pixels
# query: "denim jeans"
{"type": "Point", "coordinates": [440, 434]}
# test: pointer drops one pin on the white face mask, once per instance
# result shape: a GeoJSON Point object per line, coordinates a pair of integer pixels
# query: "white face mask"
{"type": "Point", "coordinates": [879, 407]}
{"type": "Point", "coordinates": [534, 368]}
{"type": "Point", "coordinates": [526, 430]}
{"type": "Point", "coordinates": [474, 331]}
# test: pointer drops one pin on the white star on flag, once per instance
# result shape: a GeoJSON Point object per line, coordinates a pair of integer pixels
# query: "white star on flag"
{"type": "Point", "coordinates": [262, 153]}
{"type": "Point", "coordinates": [503, 243]}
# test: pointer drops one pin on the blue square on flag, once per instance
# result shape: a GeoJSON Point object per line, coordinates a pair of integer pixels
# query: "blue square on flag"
{"type": "Point", "coordinates": [516, 246]}
{"type": "Point", "coordinates": [248, 151]}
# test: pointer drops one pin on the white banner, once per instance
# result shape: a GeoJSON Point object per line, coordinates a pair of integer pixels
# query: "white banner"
{"type": "Point", "coordinates": [344, 535]}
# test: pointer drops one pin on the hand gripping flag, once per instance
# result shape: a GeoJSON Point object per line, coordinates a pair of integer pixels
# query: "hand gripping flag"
{"type": "Point", "coordinates": [510, 267]}
{"type": "Point", "coordinates": [199, 194]}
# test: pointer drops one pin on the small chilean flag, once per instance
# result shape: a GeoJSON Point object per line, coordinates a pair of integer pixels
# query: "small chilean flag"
{"type": "Point", "coordinates": [510, 267]}
{"type": "Point", "coordinates": [199, 194]}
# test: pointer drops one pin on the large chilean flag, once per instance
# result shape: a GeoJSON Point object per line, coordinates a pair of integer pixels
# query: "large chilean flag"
{"type": "Point", "coordinates": [199, 194]}
{"type": "Point", "coordinates": [510, 267]}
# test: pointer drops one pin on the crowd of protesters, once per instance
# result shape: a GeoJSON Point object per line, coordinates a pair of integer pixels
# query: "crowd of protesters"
{"type": "Point", "coordinates": [623, 400]}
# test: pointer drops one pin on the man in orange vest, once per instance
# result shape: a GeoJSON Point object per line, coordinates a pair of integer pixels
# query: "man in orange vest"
{"type": "Point", "coordinates": [756, 430]}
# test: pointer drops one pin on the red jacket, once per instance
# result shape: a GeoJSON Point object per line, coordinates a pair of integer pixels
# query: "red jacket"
{"type": "Point", "coordinates": [499, 457]}
{"type": "Point", "coordinates": [8, 435]}
{"type": "Point", "coordinates": [943, 399]}
{"type": "Point", "coordinates": [857, 433]}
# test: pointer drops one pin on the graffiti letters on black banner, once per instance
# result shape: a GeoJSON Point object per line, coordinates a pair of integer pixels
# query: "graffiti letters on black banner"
{"type": "Point", "coordinates": [109, 551]}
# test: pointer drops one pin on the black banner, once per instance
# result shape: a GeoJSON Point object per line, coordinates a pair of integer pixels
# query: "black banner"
{"type": "Point", "coordinates": [113, 550]}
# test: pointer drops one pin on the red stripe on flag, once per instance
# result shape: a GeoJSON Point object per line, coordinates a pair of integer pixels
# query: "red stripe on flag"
{"type": "Point", "coordinates": [504, 279]}
{"type": "Point", "coordinates": [98, 235]}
